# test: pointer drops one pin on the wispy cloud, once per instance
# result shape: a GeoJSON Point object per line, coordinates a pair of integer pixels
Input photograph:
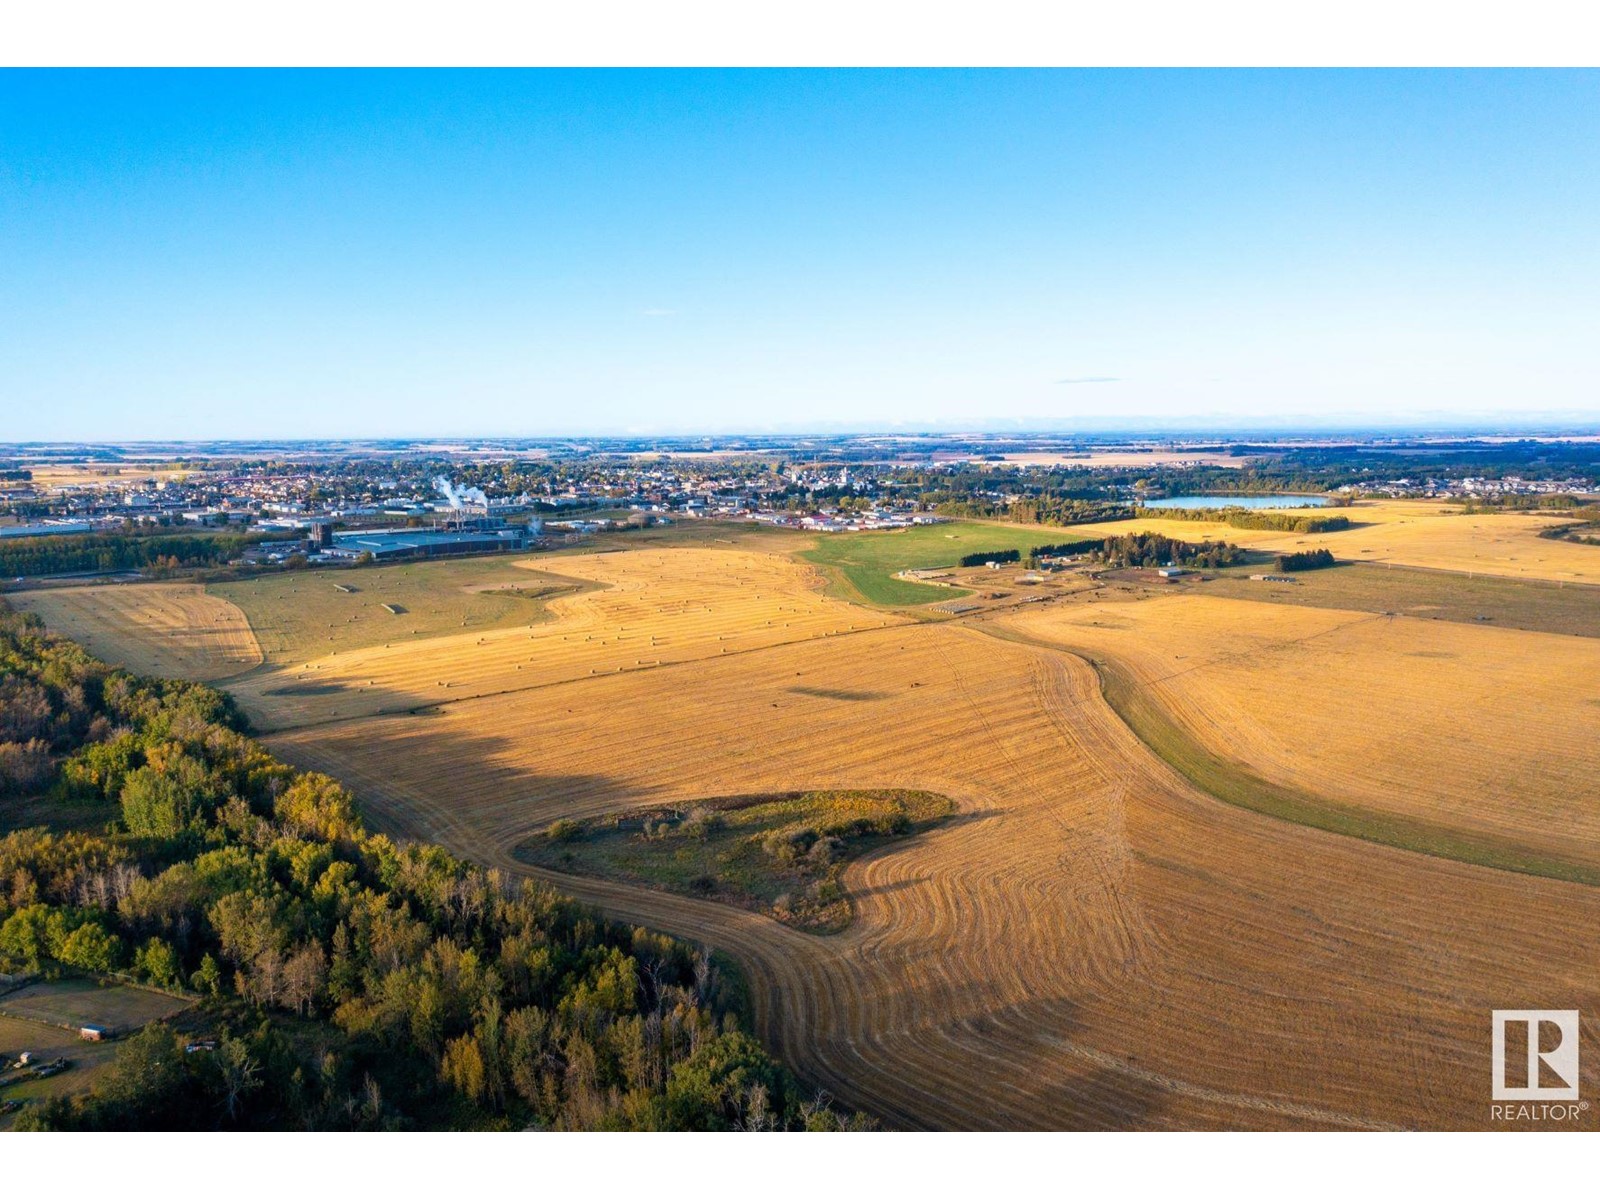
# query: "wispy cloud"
{"type": "Point", "coordinates": [1091, 379]}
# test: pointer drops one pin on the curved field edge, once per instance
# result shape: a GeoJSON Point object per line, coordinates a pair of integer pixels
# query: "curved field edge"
{"type": "Point", "coordinates": [1235, 784]}
{"type": "Point", "coordinates": [779, 854]}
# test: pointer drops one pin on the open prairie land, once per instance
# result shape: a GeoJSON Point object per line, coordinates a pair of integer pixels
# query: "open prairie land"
{"type": "Point", "coordinates": [1091, 942]}
{"type": "Point", "coordinates": [1415, 533]}
{"type": "Point", "coordinates": [174, 629]}
{"type": "Point", "coordinates": [1486, 733]}
{"type": "Point", "coordinates": [643, 609]}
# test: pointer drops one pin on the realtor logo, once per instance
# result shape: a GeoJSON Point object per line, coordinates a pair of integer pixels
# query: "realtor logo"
{"type": "Point", "coordinates": [1540, 1026]}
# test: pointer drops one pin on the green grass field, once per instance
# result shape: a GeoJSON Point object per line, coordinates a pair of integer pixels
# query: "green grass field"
{"type": "Point", "coordinates": [781, 855]}
{"type": "Point", "coordinates": [862, 565]}
{"type": "Point", "coordinates": [297, 614]}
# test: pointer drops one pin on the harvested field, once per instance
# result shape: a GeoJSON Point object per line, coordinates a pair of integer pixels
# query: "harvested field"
{"type": "Point", "coordinates": [172, 629]}
{"type": "Point", "coordinates": [57, 476]}
{"type": "Point", "coordinates": [1532, 604]}
{"type": "Point", "coordinates": [651, 609]}
{"type": "Point", "coordinates": [1126, 458]}
{"type": "Point", "coordinates": [1089, 943]}
{"type": "Point", "coordinates": [297, 614]}
{"type": "Point", "coordinates": [1473, 730]}
{"type": "Point", "coordinates": [1416, 533]}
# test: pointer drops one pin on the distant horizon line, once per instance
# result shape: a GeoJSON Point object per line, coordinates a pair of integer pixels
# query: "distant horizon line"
{"type": "Point", "coordinates": [1241, 432]}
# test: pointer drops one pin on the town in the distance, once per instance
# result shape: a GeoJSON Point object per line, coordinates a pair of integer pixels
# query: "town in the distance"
{"type": "Point", "coordinates": [303, 503]}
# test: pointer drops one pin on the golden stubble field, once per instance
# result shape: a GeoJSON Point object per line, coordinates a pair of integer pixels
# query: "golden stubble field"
{"type": "Point", "coordinates": [1491, 730]}
{"type": "Point", "coordinates": [173, 629]}
{"type": "Point", "coordinates": [651, 608]}
{"type": "Point", "coordinates": [1090, 943]}
{"type": "Point", "coordinates": [1417, 533]}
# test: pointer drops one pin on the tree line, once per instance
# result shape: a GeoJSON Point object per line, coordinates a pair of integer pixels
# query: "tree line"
{"type": "Point", "coordinates": [1156, 550]}
{"type": "Point", "coordinates": [59, 555]}
{"type": "Point", "coordinates": [988, 556]}
{"type": "Point", "coordinates": [1248, 518]}
{"type": "Point", "coordinates": [1305, 560]}
{"type": "Point", "coordinates": [350, 981]}
{"type": "Point", "coordinates": [1129, 550]}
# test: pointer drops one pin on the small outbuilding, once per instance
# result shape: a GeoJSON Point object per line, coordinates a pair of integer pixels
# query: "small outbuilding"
{"type": "Point", "coordinates": [94, 1033]}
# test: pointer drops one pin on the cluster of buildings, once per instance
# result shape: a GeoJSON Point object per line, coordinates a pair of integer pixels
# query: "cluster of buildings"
{"type": "Point", "coordinates": [1468, 489]}
{"type": "Point", "coordinates": [836, 521]}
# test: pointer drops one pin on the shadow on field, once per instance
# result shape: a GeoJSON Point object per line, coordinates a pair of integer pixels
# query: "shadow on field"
{"type": "Point", "coordinates": [463, 790]}
{"type": "Point", "coordinates": [838, 694]}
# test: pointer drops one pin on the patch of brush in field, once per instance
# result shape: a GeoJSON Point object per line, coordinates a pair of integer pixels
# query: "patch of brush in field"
{"type": "Point", "coordinates": [778, 854]}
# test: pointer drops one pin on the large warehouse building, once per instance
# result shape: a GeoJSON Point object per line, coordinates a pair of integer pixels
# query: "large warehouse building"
{"type": "Point", "coordinates": [427, 543]}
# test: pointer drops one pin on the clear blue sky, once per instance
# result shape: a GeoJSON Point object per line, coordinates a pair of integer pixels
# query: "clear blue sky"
{"type": "Point", "coordinates": [220, 254]}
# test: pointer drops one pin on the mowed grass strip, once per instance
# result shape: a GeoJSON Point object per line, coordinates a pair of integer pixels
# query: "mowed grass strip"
{"type": "Point", "coordinates": [779, 855]}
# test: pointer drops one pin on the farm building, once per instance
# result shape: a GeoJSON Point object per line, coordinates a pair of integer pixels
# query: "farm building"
{"type": "Point", "coordinates": [1171, 572]}
{"type": "Point", "coordinates": [94, 1033]}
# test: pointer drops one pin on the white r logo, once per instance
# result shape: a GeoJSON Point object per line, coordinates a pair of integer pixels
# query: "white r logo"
{"type": "Point", "coordinates": [1562, 1060]}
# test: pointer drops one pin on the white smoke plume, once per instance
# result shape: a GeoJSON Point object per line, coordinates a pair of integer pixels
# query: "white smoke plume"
{"type": "Point", "coordinates": [459, 497]}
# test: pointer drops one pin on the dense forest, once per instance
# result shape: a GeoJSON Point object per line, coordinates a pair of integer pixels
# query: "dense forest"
{"type": "Point", "coordinates": [118, 552]}
{"type": "Point", "coordinates": [350, 982]}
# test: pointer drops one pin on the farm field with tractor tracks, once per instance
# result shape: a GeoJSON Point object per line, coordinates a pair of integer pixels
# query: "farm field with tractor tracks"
{"type": "Point", "coordinates": [1090, 940]}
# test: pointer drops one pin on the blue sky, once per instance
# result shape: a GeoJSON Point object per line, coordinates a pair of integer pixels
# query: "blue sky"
{"type": "Point", "coordinates": [302, 253]}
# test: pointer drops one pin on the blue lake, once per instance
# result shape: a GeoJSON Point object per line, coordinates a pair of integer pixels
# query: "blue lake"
{"type": "Point", "coordinates": [1280, 501]}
